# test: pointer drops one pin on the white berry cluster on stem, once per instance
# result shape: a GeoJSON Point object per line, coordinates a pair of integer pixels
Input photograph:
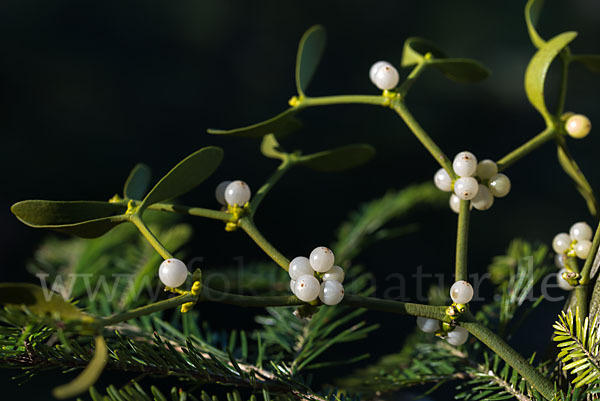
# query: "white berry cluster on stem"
{"type": "Point", "coordinates": [233, 193]}
{"type": "Point", "coordinates": [317, 276]}
{"type": "Point", "coordinates": [577, 243]}
{"type": "Point", "coordinates": [478, 182]}
{"type": "Point", "coordinates": [384, 75]}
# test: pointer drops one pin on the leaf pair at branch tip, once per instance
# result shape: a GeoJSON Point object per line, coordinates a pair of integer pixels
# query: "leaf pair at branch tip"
{"type": "Point", "coordinates": [334, 160]}
{"type": "Point", "coordinates": [417, 50]}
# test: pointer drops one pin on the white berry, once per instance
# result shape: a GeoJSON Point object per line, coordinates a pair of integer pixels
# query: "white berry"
{"type": "Point", "coordinates": [299, 266]}
{"type": "Point", "coordinates": [560, 260]}
{"type": "Point", "coordinates": [466, 188]}
{"type": "Point", "coordinates": [484, 198]}
{"type": "Point", "coordinates": [321, 259]}
{"type": "Point", "coordinates": [428, 325]}
{"type": "Point", "coordinates": [307, 288]}
{"type": "Point", "coordinates": [375, 67]}
{"type": "Point", "coordinates": [293, 285]}
{"type": "Point", "coordinates": [172, 272]}
{"type": "Point", "coordinates": [335, 273]}
{"type": "Point", "coordinates": [499, 185]}
{"type": "Point", "coordinates": [458, 336]}
{"type": "Point", "coordinates": [465, 164]}
{"type": "Point", "coordinates": [332, 292]}
{"type": "Point", "coordinates": [386, 77]}
{"type": "Point", "coordinates": [486, 169]}
{"type": "Point", "coordinates": [443, 180]}
{"type": "Point", "coordinates": [220, 192]}
{"type": "Point", "coordinates": [562, 283]}
{"type": "Point", "coordinates": [237, 193]}
{"type": "Point", "coordinates": [582, 249]}
{"type": "Point", "coordinates": [461, 292]}
{"type": "Point", "coordinates": [578, 126]}
{"type": "Point", "coordinates": [561, 243]}
{"type": "Point", "coordinates": [581, 232]}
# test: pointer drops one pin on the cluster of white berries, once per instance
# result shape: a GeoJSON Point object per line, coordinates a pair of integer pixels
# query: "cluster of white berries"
{"type": "Point", "coordinates": [577, 243]}
{"type": "Point", "coordinates": [461, 292]}
{"type": "Point", "coordinates": [172, 272]}
{"type": "Point", "coordinates": [477, 182]}
{"type": "Point", "coordinates": [305, 284]}
{"type": "Point", "coordinates": [384, 75]}
{"type": "Point", "coordinates": [233, 193]}
{"type": "Point", "coordinates": [577, 125]}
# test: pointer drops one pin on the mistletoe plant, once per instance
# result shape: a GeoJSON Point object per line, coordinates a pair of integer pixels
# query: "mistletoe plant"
{"type": "Point", "coordinates": [129, 332]}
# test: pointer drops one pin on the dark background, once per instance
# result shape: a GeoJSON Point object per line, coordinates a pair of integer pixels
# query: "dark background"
{"type": "Point", "coordinates": [90, 88]}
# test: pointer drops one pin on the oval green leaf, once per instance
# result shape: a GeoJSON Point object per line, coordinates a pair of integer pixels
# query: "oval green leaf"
{"type": "Point", "coordinates": [309, 55]}
{"type": "Point", "coordinates": [532, 13]}
{"type": "Point", "coordinates": [535, 75]}
{"type": "Point", "coordinates": [41, 302]}
{"type": "Point", "coordinates": [415, 49]}
{"type": "Point", "coordinates": [461, 70]}
{"type": "Point", "coordinates": [270, 148]}
{"type": "Point", "coordinates": [138, 182]}
{"type": "Point", "coordinates": [282, 123]}
{"type": "Point", "coordinates": [590, 61]}
{"type": "Point", "coordinates": [581, 183]}
{"type": "Point", "coordinates": [85, 219]}
{"type": "Point", "coordinates": [339, 159]}
{"type": "Point", "coordinates": [89, 376]}
{"type": "Point", "coordinates": [185, 176]}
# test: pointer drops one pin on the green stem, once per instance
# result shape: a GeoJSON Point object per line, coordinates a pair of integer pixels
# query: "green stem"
{"type": "Point", "coordinates": [523, 150]}
{"type": "Point", "coordinates": [342, 99]}
{"type": "Point", "coordinates": [285, 165]}
{"type": "Point", "coordinates": [403, 308]}
{"type": "Point", "coordinates": [152, 240]}
{"type": "Point", "coordinates": [462, 240]}
{"type": "Point", "coordinates": [581, 299]}
{"type": "Point", "coordinates": [192, 211]}
{"type": "Point", "coordinates": [587, 267]}
{"type": "Point", "coordinates": [211, 295]}
{"type": "Point", "coordinates": [422, 136]}
{"type": "Point", "coordinates": [248, 226]}
{"type": "Point", "coordinates": [412, 77]}
{"type": "Point", "coordinates": [511, 357]}
{"type": "Point", "coordinates": [148, 309]}
{"type": "Point", "coordinates": [564, 77]}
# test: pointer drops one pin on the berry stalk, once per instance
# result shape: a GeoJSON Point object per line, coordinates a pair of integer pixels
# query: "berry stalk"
{"type": "Point", "coordinates": [462, 240]}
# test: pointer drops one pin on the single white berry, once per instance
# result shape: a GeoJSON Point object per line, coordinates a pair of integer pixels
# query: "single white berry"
{"type": "Point", "coordinates": [332, 292]}
{"type": "Point", "coordinates": [578, 126]}
{"type": "Point", "coordinates": [461, 292]}
{"type": "Point", "coordinates": [299, 266]}
{"type": "Point", "coordinates": [466, 188]}
{"type": "Point", "coordinates": [458, 336]}
{"type": "Point", "coordinates": [465, 164]}
{"type": "Point", "coordinates": [307, 288]}
{"type": "Point", "coordinates": [442, 180]}
{"type": "Point", "coordinates": [582, 249]}
{"type": "Point", "coordinates": [562, 283]}
{"type": "Point", "coordinates": [499, 185]}
{"type": "Point", "coordinates": [293, 285]}
{"type": "Point", "coordinates": [560, 260]}
{"type": "Point", "coordinates": [220, 192]}
{"type": "Point", "coordinates": [386, 77]}
{"type": "Point", "coordinates": [172, 272]}
{"type": "Point", "coordinates": [581, 231]}
{"type": "Point", "coordinates": [375, 67]}
{"type": "Point", "coordinates": [486, 169]}
{"type": "Point", "coordinates": [484, 198]}
{"type": "Point", "coordinates": [335, 273]}
{"type": "Point", "coordinates": [428, 325]}
{"type": "Point", "coordinates": [561, 243]}
{"type": "Point", "coordinates": [321, 259]}
{"type": "Point", "coordinates": [237, 193]}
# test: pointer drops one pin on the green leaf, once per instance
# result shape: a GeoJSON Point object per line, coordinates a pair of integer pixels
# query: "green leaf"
{"type": "Point", "coordinates": [86, 219]}
{"type": "Point", "coordinates": [581, 183]}
{"type": "Point", "coordinates": [88, 377]}
{"type": "Point", "coordinates": [270, 148]}
{"type": "Point", "coordinates": [457, 69]}
{"type": "Point", "coordinates": [532, 13]}
{"type": "Point", "coordinates": [590, 61]}
{"type": "Point", "coordinates": [138, 182]}
{"type": "Point", "coordinates": [309, 54]}
{"type": "Point", "coordinates": [39, 301]}
{"type": "Point", "coordinates": [338, 159]}
{"type": "Point", "coordinates": [186, 175]}
{"type": "Point", "coordinates": [282, 123]}
{"type": "Point", "coordinates": [535, 75]}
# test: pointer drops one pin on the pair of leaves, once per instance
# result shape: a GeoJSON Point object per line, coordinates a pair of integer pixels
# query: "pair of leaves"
{"type": "Point", "coordinates": [333, 160]}
{"type": "Point", "coordinates": [310, 50]}
{"type": "Point", "coordinates": [418, 50]}
{"type": "Point", "coordinates": [89, 219]}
